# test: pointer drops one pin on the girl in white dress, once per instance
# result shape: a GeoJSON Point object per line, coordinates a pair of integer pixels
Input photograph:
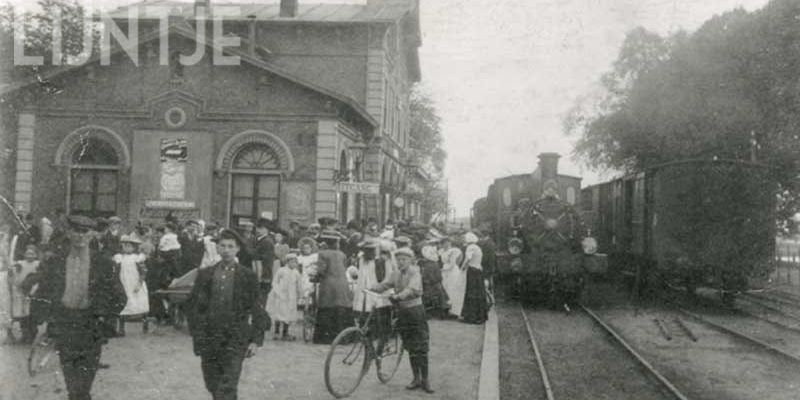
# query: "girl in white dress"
{"type": "Point", "coordinates": [287, 288]}
{"type": "Point", "coordinates": [308, 265]}
{"type": "Point", "coordinates": [132, 274]}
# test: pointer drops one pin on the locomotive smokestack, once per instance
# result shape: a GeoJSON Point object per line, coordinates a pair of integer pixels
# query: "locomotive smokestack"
{"type": "Point", "coordinates": [289, 8]}
{"type": "Point", "coordinates": [548, 165]}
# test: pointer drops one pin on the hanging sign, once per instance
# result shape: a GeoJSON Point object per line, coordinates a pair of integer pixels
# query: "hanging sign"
{"type": "Point", "coordinates": [359, 187]}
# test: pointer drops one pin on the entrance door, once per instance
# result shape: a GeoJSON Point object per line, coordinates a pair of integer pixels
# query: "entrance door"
{"type": "Point", "coordinates": [252, 195]}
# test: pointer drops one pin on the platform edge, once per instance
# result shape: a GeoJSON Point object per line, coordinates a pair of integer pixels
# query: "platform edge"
{"type": "Point", "coordinates": [489, 384]}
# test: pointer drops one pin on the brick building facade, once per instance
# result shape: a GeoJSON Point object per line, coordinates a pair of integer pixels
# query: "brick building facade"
{"type": "Point", "coordinates": [312, 123]}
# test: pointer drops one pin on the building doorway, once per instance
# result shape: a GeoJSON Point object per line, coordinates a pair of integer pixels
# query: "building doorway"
{"type": "Point", "coordinates": [255, 185]}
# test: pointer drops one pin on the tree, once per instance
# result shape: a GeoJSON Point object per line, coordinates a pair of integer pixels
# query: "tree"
{"type": "Point", "coordinates": [39, 26]}
{"type": "Point", "coordinates": [425, 147]}
{"type": "Point", "coordinates": [425, 131]}
{"type": "Point", "coordinates": [729, 90]}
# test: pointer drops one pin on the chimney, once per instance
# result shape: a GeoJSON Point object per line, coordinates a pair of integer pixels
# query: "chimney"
{"type": "Point", "coordinates": [548, 165]}
{"type": "Point", "coordinates": [288, 8]}
{"type": "Point", "coordinates": [251, 37]}
{"type": "Point", "coordinates": [202, 7]}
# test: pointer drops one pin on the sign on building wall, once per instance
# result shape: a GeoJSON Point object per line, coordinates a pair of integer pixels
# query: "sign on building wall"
{"type": "Point", "coordinates": [299, 202]}
{"type": "Point", "coordinates": [359, 187]}
{"type": "Point", "coordinates": [174, 153]}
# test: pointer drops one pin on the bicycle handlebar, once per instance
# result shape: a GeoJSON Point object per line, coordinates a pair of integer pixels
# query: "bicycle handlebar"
{"type": "Point", "coordinates": [376, 294]}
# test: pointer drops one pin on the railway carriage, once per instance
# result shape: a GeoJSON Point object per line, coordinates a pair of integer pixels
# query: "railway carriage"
{"type": "Point", "coordinates": [687, 223]}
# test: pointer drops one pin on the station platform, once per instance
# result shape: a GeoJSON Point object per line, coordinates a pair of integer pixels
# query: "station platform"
{"type": "Point", "coordinates": [160, 365]}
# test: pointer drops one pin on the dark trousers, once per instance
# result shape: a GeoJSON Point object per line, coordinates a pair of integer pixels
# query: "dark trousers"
{"type": "Point", "coordinates": [78, 338]}
{"type": "Point", "coordinates": [412, 324]}
{"type": "Point", "coordinates": [222, 367]}
{"type": "Point", "coordinates": [79, 364]}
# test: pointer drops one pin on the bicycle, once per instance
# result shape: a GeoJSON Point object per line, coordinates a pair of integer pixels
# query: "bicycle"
{"type": "Point", "coordinates": [43, 356]}
{"type": "Point", "coordinates": [353, 350]}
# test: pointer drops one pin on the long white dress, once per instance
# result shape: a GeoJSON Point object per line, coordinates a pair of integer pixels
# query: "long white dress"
{"type": "Point", "coordinates": [5, 293]}
{"type": "Point", "coordinates": [287, 288]}
{"type": "Point", "coordinates": [135, 288]}
{"type": "Point", "coordinates": [454, 279]}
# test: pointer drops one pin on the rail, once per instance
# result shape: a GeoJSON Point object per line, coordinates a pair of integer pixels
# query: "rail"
{"type": "Point", "coordinates": [641, 360]}
{"type": "Point", "coordinates": [740, 335]}
{"type": "Point", "coordinates": [545, 379]}
{"type": "Point", "coordinates": [649, 367]}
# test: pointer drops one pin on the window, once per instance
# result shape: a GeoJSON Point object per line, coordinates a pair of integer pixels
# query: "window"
{"type": "Point", "coordinates": [93, 179]}
{"type": "Point", "coordinates": [255, 189]}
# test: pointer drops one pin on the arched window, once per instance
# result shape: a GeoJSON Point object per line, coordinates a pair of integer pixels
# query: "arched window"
{"type": "Point", "coordinates": [94, 178]}
{"type": "Point", "coordinates": [255, 188]}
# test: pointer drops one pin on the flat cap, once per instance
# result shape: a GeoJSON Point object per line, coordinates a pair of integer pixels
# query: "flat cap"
{"type": "Point", "coordinates": [404, 251]}
{"type": "Point", "coordinates": [231, 234]}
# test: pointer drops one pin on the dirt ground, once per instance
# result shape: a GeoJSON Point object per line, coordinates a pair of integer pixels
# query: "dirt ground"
{"type": "Point", "coordinates": [717, 366]}
{"type": "Point", "coordinates": [160, 365]}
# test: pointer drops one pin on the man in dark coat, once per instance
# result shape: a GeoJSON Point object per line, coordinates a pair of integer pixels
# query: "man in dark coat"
{"type": "Point", "coordinates": [78, 296]}
{"type": "Point", "coordinates": [192, 247]}
{"type": "Point", "coordinates": [226, 320]}
{"type": "Point", "coordinates": [264, 256]}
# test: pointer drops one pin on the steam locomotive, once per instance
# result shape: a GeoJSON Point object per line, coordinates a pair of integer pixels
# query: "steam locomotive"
{"type": "Point", "coordinates": [682, 224]}
{"type": "Point", "coordinates": [547, 251]}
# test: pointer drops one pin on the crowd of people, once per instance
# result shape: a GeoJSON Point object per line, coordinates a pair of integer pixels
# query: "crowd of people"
{"type": "Point", "coordinates": [429, 274]}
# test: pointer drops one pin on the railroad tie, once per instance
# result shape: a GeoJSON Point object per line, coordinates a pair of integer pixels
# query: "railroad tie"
{"type": "Point", "coordinates": [686, 329]}
{"type": "Point", "coordinates": [662, 329]}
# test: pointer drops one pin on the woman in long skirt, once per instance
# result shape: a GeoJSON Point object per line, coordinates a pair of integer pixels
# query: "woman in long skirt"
{"type": "Point", "coordinates": [454, 279]}
{"type": "Point", "coordinates": [434, 297]}
{"type": "Point", "coordinates": [475, 308]}
{"type": "Point", "coordinates": [334, 312]}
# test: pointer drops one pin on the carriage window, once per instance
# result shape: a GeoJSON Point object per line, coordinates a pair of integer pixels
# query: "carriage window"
{"type": "Point", "coordinates": [571, 195]}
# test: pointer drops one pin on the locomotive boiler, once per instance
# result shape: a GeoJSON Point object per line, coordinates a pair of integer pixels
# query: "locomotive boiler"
{"type": "Point", "coordinates": [547, 251]}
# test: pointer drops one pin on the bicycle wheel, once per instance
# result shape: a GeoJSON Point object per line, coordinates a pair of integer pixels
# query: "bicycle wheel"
{"type": "Point", "coordinates": [309, 321]}
{"type": "Point", "coordinates": [389, 360]}
{"type": "Point", "coordinates": [43, 357]}
{"type": "Point", "coordinates": [347, 362]}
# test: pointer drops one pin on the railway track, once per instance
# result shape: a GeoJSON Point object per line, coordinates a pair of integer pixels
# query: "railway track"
{"type": "Point", "coordinates": [587, 345]}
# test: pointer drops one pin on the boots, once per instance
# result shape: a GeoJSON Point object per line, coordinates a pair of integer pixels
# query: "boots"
{"type": "Point", "coordinates": [422, 363]}
{"type": "Point", "coordinates": [416, 383]}
{"type": "Point", "coordinates": [121, 327]}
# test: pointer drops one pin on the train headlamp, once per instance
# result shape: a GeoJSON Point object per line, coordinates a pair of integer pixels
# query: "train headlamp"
{"type": "Point", "coordinates": [515, 246]}
{"type": "Point", "coordinates": [589, 245]}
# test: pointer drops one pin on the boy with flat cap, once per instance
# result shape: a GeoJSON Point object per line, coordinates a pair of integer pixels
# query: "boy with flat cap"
{"type": "Point", "coordinates": [79, 294]}
{"type": "Point", "coordinates": [411, 321]}
{"type": "Point", "coordinates": [226, 321]}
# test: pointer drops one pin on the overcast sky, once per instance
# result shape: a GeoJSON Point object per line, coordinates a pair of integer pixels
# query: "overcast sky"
{"type": "Point", "coordinates": [504, 72]}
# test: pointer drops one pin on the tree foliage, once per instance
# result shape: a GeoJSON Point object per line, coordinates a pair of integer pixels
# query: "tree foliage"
{"type": "Point", "coordinates": [729, 90]}
{"type": "Point", "coordinates": [425, 137]}
{"type": "Point", "coordinates": [426, 145]}
{"type": "Point", "coordinates": [40, 24]}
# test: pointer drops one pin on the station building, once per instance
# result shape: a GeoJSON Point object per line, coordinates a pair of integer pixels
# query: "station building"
{"type": "Point", "coordinates": [311, 123]}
